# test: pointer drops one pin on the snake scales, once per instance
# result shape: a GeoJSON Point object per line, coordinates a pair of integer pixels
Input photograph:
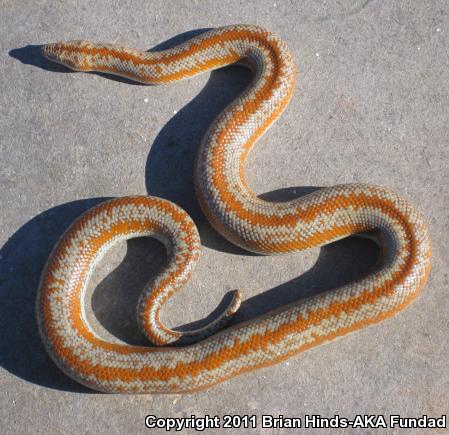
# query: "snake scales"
{"type": "Point", "coordinates": [239, 215]}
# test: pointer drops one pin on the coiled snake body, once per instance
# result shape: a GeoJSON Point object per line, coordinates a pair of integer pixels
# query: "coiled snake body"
{"type": "Point", "coordinates": [239, 215]}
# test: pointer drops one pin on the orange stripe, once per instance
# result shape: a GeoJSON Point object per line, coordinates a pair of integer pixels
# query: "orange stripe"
{"type": "Point", "coordinates": [136, 59]}
{"type": "Point", "coordinates": [318, 340]}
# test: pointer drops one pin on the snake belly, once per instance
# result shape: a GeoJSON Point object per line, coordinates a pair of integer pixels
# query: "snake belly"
{"type": "Point", "coordinates": [239, 215]}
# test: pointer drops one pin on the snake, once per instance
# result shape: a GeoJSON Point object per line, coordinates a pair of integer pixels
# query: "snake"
{"type": "Point", "coordinates": [185, 362]}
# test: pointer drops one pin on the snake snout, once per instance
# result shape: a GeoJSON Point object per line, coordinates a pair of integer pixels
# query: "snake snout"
{"type": "Point", "coordinates": [51, 51]}
{"type": "Point", "coordinates": [70, 54]}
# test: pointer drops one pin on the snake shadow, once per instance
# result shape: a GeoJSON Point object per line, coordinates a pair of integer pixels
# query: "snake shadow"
{"type": "Point", "coordinates": [168, 174]}
{"type": "Point", "coordinates": [22, 260]}
{"type": "Point", "coordinates": [170, 162]}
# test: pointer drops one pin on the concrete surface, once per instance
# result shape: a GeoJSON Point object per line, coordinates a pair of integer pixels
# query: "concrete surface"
{"type": "Point", "coordinates": [371, 105]}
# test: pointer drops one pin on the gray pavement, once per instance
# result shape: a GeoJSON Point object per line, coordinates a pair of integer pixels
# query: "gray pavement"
{"type": "Point", "coordinates": [371, 105]}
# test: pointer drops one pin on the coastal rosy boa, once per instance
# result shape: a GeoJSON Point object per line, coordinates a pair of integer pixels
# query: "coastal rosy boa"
{"type": "Point", "coordinates": [209, 356]}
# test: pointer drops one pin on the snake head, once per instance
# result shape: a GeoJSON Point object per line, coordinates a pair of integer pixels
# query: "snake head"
{"type": "Point", "coordinates": [72, 54]}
